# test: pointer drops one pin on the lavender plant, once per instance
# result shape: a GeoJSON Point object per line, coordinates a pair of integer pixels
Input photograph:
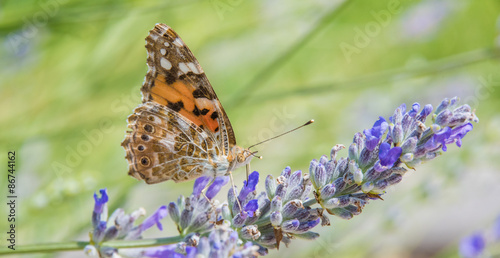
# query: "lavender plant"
{"type": "Point", "coordinates": [250, 222]}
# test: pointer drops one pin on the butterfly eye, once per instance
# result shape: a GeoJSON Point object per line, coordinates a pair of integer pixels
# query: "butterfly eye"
{"type": "Point", "coordinates": [145, 137]}
{"type": "Point", "coordinates": [145, 161]}
{"type": "Point", "coordinates": [241, 158]}
{"type": "Point", "coordinates": [149, 128]}
{"type": "Point", "coordinates": [140, 148]}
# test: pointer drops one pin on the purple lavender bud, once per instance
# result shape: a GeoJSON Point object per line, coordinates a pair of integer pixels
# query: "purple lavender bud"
{"type": "Point", "coordinates": [270, 186]}
{"type": "Point", "coordinates": [444, 104]}
{"type": "Point", "coordinates": [267, 239]}
{"type": "Point", "coordinates": [394, 179]}
{"type": "Point", "coordinates": [381, 184]}
{"type": "Point", "coordinates": [318, 175]}
{"type": "Point", "coordinates": [409, 145]}
{"type": "Point", "coordinates": [408, 157]}
{"type": "Point", "coordinates": [214, 189]}
{"type": "Point", "coordinates": [323, 160]}
{"type": "Point", "coordinates": [407, 124]}
{"type": "Point", "coordinates": [306, 191]}
{"type": "Point", "coordinates": [174, 212]}
{"type": "Point", "coordinates": [295, 179]}
{"type": "Point", "coordinates": [454, 101]}
{"type": "Point", "coordinates": [463, 109]}
{"type": "Point", "coordinates": [472, 246]}
{"type": "Point", "coordinates": [200, 184]}
{"type": "Point", "coordinates": [294, 193]}
{"type": "Point", "coordinates": [99, 231]}
{"type": "Point", "coordinates": [290, 208]}
{"type": "Point", "coordinates": [368, 157]}
{"type": "Point", "coordinates": [186, 216]}
{"type": "Point", "coordinates": [341, 168]}
{"type": "Point", "coordinates": [397, 133]}
{"type": "Point", "coordinates": [276, 204]}
{"type": "Point", "coordinates": [226, 213]}
{"type": "Point", "coordinates": [443, 118]}
{"type": "Point", "coordinates": [339, 184]}
{"type": "Point", "coordinates": [329, 170]}
{"type": "Point", "coordinates": [307, 225]}
{"type": "Point", "coordinates": [239, 220]}
{"type": "Point", "coordinates": [458, 119]}
{"type": "Point", "coordinates": [367, 187]}
{"type": "Point", "coordinates": [414, 110]}
{"type": "Point", "coordinates": [353, 151]}
{"type": "Point", "coordinates": [264, 203]}
{"type": "Point", "coordinates": [341, 213]}
{"type": "Point", "coordinates": [303, 214]}
{"type": "Point", "coordinates": [276, 218]}
{"type": "Point", "coordinates": [331, 203]}
{"type": "Point", "coordinates": [358, 176]}
{"type": "Point", "coordinates": [200, 220]}
{"type": "Point", "coordinates": [335, 150]}
{"type": "Point", "coordinates": [327, 191]}
{"type": "Point", "coordinates": [250, 232]}
{"type": "Point", "coordinates": [424, 113]}
{"type": "Point", "coordinates": [286, 172]}
{"type": "Point", "coordinates": [398, 114]}
{"type": "Point", "coordinates": [110, 233]}
{"type": "Point", "coordinates": [344, 200]}
{"type": "Point", "coordinates": [372, 174]}
{"type": "Point", "coordinates": [359, 140]}
{"type": "Point", "coordinates": [290, 225]}
{"type": "Point", "coordinates": [280, 191]}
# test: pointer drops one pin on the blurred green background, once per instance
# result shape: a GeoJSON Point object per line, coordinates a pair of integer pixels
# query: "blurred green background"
{"type": "Point", "coordinates": [71, 73]}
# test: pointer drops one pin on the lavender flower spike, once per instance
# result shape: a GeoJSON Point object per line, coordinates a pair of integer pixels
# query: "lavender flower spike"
{"type": "Point", "coordinates": [119, 226]}
{"type": "Point", "coordinates": [294, 203]}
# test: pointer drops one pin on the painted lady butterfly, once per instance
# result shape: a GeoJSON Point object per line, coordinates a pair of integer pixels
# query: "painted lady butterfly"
{"type": "Point", "coordinates": [180, 131]}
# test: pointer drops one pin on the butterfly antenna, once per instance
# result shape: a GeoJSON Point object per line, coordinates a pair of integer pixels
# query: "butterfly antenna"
{"type": "Point", "coordinates": [307, 123]}
{"type": "Point", "coordinates": [253, 154]}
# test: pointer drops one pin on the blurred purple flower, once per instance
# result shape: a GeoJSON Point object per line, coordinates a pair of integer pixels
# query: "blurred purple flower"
{"type": "Point", "coordinates": [423, 20]}
{"type": "Point", "coordinates": [472, 246]}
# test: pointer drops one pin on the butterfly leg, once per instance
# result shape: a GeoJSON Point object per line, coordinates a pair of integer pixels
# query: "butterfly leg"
{"type": "Point", "coordinates": [206, 188]}
{"type": "Point", "coordinates": [234, 189]}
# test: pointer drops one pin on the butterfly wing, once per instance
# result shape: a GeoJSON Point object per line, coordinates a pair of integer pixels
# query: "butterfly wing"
{"type": "Point", "coordinates": [181, 131]}
{"type": "Point", "coordinates": [176, 80]}
{"type": "Point", "coordinates": [165, 146]}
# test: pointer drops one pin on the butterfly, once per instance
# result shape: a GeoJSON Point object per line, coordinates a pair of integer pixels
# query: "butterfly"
{"type": "Point", "coordinates": [180, 131]}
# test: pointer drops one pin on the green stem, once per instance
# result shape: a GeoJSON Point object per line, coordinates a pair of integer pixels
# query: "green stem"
{"type": "Point", "coordinates": [79, 245]}
{"type": "Point", "coordinates": [265, 74]}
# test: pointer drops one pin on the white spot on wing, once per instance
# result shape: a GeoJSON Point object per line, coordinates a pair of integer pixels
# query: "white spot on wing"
{"type": "Point", "coordinates": [154, 36]}
{"type": "Point", "coordinates": [178, 42]}
{"type": "Point", "coordinates": [193, 68]}
{"type": "Point", "coordinates": [163, 51]}
{"type": "Point", "coordinates": [184, 68]}
{"type": "Point", "coordinates": [165, 63]}
{"type": "Point", "coordinates": [166, 44]}
{"type": "Point", "coordinates": [189, 67]}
